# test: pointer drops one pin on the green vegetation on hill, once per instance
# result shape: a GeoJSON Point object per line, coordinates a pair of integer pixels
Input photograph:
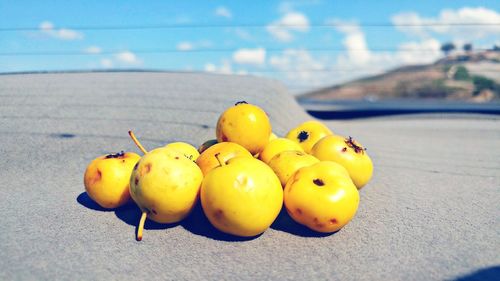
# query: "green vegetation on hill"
{"type": "Point", "coordinates": [473, 76]}
{"type": "Point", "coordinates": [482, 83]}
{"type": "Point", "coordinates": [462, 74]}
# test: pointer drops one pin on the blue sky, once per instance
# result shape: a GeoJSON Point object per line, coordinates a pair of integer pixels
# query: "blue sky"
{"type": "Point", "coordinates": [305, 44]}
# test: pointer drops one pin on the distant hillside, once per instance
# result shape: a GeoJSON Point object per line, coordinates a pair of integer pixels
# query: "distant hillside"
{"type": "Point", "coordinates": [469, 77]}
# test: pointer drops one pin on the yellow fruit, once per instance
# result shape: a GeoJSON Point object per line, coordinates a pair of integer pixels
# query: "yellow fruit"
{"type": "Point", "coordinates": [242, 197]}
{"type": "Point", "coordinates": [206, 145]}
{"type": "Point", "coordinates": [246, 125]}
{"type": "Point", "coordinates": [107, 178]}
{"type": "Point", "coordinates": [308, 133]}
{"type": "Point", "coordinates": [226, 150]}
{"type": "Point", "coordinates": [321, 197]}
{"type": "Point", "coordinates": [185, 148]}
{"type": "Point", "coordinates": [286, 163]}
{"type": "Point", "coordinates": [276, 146]}
{"type": "Point", "coordinates": [165, 185]}
{"type": "Point", "coordinates": [273, 136]}
{"type": "Point", "coordinates": [348, 153]}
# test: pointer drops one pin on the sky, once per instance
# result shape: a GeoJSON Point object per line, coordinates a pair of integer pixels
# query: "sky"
{"type": "Point", "coordinates": [305, 44]}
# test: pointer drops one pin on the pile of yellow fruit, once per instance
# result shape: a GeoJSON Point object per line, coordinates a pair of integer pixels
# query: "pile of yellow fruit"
{"type": "Point", "coordinates": [242, 178]}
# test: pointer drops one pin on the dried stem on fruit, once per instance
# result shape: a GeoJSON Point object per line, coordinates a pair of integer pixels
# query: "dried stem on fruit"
{"type": "Point", "coordinates": [221, 161]}
{"type": "Point", "coordinates": [140, 227]}
{"type": "Point", "coordinates": [139, 145]}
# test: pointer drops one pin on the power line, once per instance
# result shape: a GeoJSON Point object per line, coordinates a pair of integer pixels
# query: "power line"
{"type": "Point", "coordinates": [367, 71]}
{"type": "Point", "coordinates": [383, 71]}
{"type": "Point", "coordinates": [250, 25]}
{"type": "Point", "coordinates": [213, 50]}
{"type": "Point", "coordinates": [374, 71]}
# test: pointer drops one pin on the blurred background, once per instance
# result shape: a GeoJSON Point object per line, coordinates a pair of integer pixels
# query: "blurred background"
{"type": "Point", "coordinates": [323, 51]}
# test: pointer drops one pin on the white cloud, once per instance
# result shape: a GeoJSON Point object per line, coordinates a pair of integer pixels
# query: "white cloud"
{"type": "Point", "coordinates": [243, 34]}
{"type": "Point", "coordinates": [299, 67]}
{"type": "Point", "coordinates": [46, 26]}
{"type": "Point", "coordinates": [48, 29]}
{"type": "Point", "coordinates": [106, 63]}
{"type": "Point", "coordinates": [210, 67]}
{"type": "Point", "coordinates": [121, 59]}
{"type": "Point", "coordinates": [291, 22]}
{"type": "Point", "coordinates": [250, 56]}
{"type": "Point", "coordinates": [426, 51]}
{"type": "Point", "coordinates": [223, 12]}
{"type": "Point", "coordinates": [68, 34]}
{"type": "Point", "coordinates": [225, 67]}
{"type": "Point", "coordinates": [93, 50]}
{"type": "Point", "coordinates": [302, 71]}
{"type": "Point", "coordinates": [127, 58]}
{"type": "Point", "coordinates": [188, 46]}
{"type": "Point", "coordinates": [358, 53]}
{"type": "Point", "coordinates": [185, 46]}
{"type": "Point", "coordinates": [354, 42]}
{"type": "Point", "coordinates": [451, 22]}
{"type": "Point", "coordinates": [409, 22]}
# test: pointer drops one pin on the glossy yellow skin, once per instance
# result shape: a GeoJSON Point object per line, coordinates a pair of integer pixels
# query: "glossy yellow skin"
{"type": "Point", "coordinates": [308, 133]}
{"type": "Point", "coordinates": [206, 145]}
{"type": "Point", "coordinates": [286, 163]}
{"type": "Point", "coordinates": [245, 124]}
{"type": "Point", "coordinates": [226, 150]}
{"type": "Point", "coordinates": [185, 148]}
{"type": "Point", "coordinates": [165, 184]}
{"type": "Point", "coordinates": [242, 198]}
{"type": "Point", "coordinates": [273, 136]}
{"type": "Point", "coordinates": [358, 164]}
{"type": "Point", "coordinates": [276, 146]}
{"type": "Point", "coordinates": [321, 197]}
{"type": "Point", "coordinates": [107, 179]}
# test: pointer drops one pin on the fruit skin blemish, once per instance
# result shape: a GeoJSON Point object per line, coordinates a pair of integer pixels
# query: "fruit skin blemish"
{"type": "Point", "coordinates": [348, 153]}
{"type": "Point", "coordinates": [252, 199]}
{"type": "Point", "coordinates": [107, 177]}
{"type": "Point", "coordinates": [308, 133]}
{"type": "Point", "coordinates": [245, 124]}
{"type": "Point", "coordinates": [328, 185]}
{"type": "Point", "coordinates": [165, 184]}
{"type": "Point", "coordinates": [242, 178]}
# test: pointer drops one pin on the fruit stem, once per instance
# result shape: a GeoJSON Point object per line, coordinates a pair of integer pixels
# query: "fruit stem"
{"type": "Point", "coordinates": [141, 225]}
{"type": "Point", "coordinates": [139, 145]}
{"type": "Point", "coordinates": [221, 162]}
{"type": "Point", "coordinates": [354, 145]}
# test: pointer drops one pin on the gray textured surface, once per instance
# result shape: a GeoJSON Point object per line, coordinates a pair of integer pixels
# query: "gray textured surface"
{"type": "Point", "coordinates": [430, 213]}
